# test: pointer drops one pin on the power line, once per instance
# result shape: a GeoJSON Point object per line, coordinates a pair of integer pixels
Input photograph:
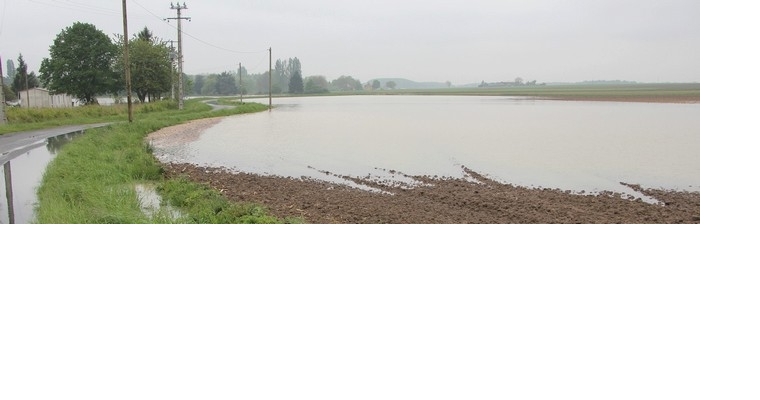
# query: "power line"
{"type": "Point", "coordinates": [78, 7]}
{"type": "Point", "coordinates": [197, 38]}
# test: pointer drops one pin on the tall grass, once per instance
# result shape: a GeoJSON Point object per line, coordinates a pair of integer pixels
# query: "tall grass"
{"type": "Point", "coordinates": [92, 180]}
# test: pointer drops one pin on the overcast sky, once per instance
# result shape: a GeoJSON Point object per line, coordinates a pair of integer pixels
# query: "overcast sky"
{"type": "Point", "coordinates": [447, 40]}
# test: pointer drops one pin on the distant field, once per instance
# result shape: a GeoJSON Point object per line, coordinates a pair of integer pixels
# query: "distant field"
{"type": "Point", "coordinates": [666, 92]}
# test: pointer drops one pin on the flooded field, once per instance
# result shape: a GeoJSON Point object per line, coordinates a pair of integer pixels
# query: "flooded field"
{"type": "Point", "coordinates": [569, 145]}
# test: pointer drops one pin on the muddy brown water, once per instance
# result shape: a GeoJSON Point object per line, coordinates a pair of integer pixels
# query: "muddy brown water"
{"type": "Point", "coordinates": [577, 146]}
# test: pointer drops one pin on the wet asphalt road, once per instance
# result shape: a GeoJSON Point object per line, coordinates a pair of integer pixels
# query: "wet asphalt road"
{"type": "Point", "coordinates": [14, 144]}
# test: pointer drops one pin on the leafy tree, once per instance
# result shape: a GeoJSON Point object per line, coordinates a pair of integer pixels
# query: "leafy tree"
{"type": "Point", "coordinates": [390, 85]}
{"type": "Point", "coordinates": [296, 83]}
{"type": "Point", "coordinates": [284, 72]}
{"type": "Point", "coordinates": [209, 85]}
{"type": "Point", "coordinates": [150, 65]}
{"type": "Point", "coordinates": [375, 84]}
{"type": "Point", "coordinates": [8, 93]}
{"type": "Point", "coordinates": [198, 84]}
{"type": "Point", "coordinates": [23, 77]}
{"type": "Point", "coordinates": [346, 83]}
{"type": "Point", "coordinates": [225, 84]}
{"type": "Point", "coordinates": [293, 66]}
{"type": "Point", "coordinates": [281, 76]}
{"type": "Point", "coordinates": [151, 69]}
{"type": "Point", "coordinates": [316, 84]}
{"type": "Point", "coordinates": [81, 63]}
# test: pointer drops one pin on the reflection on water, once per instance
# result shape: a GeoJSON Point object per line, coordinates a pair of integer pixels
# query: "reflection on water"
{"type": "Point", "coordinates": [21, 177]}
{"type": "Point", "coordinates": [578, 146]}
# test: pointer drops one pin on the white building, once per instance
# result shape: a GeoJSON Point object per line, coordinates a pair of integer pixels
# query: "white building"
{"type": "Point", "coordinates": [41, 98]}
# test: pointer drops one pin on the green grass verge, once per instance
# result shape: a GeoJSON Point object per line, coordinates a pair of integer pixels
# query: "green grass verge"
{"type": "Point", "coordinates": [92, 180]}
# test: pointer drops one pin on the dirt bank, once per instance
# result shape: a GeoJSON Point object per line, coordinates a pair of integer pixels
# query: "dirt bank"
{"type": "Point", "coordinates": [444, 201]}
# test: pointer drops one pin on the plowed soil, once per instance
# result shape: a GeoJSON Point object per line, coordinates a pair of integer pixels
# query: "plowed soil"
{"type": "Point", "coordinates": [441, 201]}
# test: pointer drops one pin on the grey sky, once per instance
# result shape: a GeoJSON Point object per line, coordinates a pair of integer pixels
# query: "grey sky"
{"type": "Point", "coordinates": [455, 40]}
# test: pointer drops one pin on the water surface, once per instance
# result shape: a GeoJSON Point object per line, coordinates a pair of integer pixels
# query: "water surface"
{"type": "Point", "coordinates": [21, 176]}
{"type": "Point", "coordinates": [570, 145]}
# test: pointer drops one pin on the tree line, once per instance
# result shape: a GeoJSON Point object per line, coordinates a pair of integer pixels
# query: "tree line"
{"type": "Point", "coordinates": [86, 63]}
{"type": "Point", "coordinates": [287, 77]}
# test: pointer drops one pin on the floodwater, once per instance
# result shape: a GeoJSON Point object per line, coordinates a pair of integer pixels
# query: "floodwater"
{"type": "Point", "coordinates": [22, 175]}
{"type": "Point", "coordinates": [570, 145]}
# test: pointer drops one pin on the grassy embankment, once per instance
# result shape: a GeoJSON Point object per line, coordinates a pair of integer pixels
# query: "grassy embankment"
{"type": "Point", "coordinates": [93, 179]}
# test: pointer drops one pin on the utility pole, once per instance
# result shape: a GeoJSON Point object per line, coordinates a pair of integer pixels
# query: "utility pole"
{"type": "Point", "coordinates": [180, 57]}
{"type": "Point", "coordinates": [127, 71]}
{"type": "Point", "coordinates": [270, 79]}
{"type": "Point", "coordinates": [240, 79]}
{"type": "Point", "coordinates": [26, 84]}
{"type": "Point", "coordinates": [172, 57]}
{"type": "Point", "coordinates": [3, 120]}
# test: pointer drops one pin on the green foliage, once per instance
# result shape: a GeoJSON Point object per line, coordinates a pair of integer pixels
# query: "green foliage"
{"type": "Point", "coordinates": [346, 83]}
{"type": "Point", "coordinates": [81, 63]}
{"type": "Point", "coordinates": [60, 116]}
{"type": "Point", "coordinates": [151, 69]}
{"type": "Point", "coordinates": [316, 84]}
{"type": "Point", "coordinates": [203, 205]}
{"type": "Point", "coordinates": [24, 79]}
{"type": "Point", "coordinates": [225, 84]}
{"type": "Point", "coordinates": [296, 83]}
{"type": "Point", "coordinates": [8, 93]}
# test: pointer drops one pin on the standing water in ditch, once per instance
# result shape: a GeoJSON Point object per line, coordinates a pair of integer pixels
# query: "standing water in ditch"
{"type": "Point", "coordinates": [570, 145]}
{"type": "Point", "coordinates": [22, 175]}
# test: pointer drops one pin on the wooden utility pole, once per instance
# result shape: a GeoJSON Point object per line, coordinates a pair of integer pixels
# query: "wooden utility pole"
{"type": "Point", "coordinates": [3, 119]}
{"type": "Point", "coordinates": [9, 192]}
{"type": "Point", "coordinates": [180, 57]}
{"type": "Point", "coordinates": [26, 84]}
{"type": "Point", "coordinates": [172, 57]}
{"type": "Point", "coordinates": [270, 79]}
{"type": "Point", "coordinates": [127, 69]}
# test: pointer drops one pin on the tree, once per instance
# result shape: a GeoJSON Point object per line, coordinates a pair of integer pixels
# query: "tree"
{"type": "Point", "coordinates": [316, 84]}
{"type": "Point", "coordinates": [225, 84]}
{"type": "Point", "coordinates": [345, 83]}
{"type": "Point", "coordinates": [151, 69]}
{"type": "Point", "coordinates": [81, 63]}
{"type": "Point", "coordinates": [390, 85]}
{"type": "Point", "coordinates": [209, 85]}
{"type": "Point", "coordinates": [145, 35]}
{"type": "Point", "coordinates": [24, 79]}
{"type": "Point", "coordinates": [281, 77]}
{"type": "Point", "coordinates": [198, 84]}
{"type": "Point", "coordinates": [8, 93]}
{"type": "Point", "coordinates": [150, 65]}
{"type": "Point", "coordinates": [10, 70]}
{"type": "Point", "coordinates": [375, 84]}
{"type": "Point", "coordinates": [296, 83]}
